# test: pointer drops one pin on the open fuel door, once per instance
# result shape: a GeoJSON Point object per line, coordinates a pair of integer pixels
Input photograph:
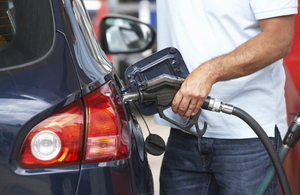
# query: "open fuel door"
{"type": "Point", "coordinates": [153, 82]}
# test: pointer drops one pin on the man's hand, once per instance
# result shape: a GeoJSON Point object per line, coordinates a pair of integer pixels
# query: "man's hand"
{"type": "Point", "coordinates": [194, 90]}
{"type": "Point", "coordinates": [272, 44]}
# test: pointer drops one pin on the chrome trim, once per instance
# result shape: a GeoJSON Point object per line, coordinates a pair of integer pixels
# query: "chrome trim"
{"type": "Point", "coordinates": [297, 119]}
{"type": "Point", "coordinates": [164, 77]}
{"type": "Point", "coordinates": [87, 30]}
{"type": "Point", "coordinates": [214, 105]}
{"type": "Point", "coordinates": [218, 106]}
{"type": "Point", "coordinates": [286, 146]}
{"type": "Point", "coordinates": [226, 108]}
{"type": "Point", "coordinates": [130, 97]}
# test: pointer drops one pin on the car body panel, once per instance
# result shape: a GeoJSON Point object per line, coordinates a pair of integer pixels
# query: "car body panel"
{"type": "Point", "coordinates": [22, 107]}
{"type": "Point", "coordinates": [29, 94]}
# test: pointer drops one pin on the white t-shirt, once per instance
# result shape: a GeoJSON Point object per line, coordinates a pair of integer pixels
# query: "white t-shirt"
{"type": "Point", "coordinates": [204, 29]}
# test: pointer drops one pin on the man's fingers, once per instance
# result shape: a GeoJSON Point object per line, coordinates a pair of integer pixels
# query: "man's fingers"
{"type": "Point", "coordinates": [198, 107]}
{"type": "Point", "coordinates": [189, 110]}
{"type": "Point", "coordinates": [183, 107]}
{"type": "Point", "coordinates": [192, 109]}
{"type": "Point", "coordinates": [176, 102]}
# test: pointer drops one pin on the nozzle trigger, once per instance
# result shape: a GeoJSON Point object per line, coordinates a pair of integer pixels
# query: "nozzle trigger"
{"type": "Point", "coordinates": [193, 120]}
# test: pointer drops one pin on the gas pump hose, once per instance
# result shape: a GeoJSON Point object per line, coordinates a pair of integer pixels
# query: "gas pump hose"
{"type": "Point", "coordinates": [272, 173]}
{"type": "Point", "coordinates": [218, 106]}
{"type": "Point", "coordinates": [291, 138]}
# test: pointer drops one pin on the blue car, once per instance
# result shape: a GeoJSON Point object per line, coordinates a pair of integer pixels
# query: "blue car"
{"type": "Point", "coordinates": [63, 126]}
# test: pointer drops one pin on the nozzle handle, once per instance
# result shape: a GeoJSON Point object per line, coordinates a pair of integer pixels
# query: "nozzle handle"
{"type": "Point", "coordinates": [293, 134]}
{"type": "Point", "coordinates": [193, 120]}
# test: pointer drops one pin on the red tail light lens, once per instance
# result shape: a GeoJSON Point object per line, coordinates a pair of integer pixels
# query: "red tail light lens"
{"type": "Point", "coordinates": [56, 141]}
{"type": "Point", "coordinates": [107, 136]}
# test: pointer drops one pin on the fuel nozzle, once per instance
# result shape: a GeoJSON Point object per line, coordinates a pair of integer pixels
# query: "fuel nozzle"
{"type": "Point", "coordinates": [293, 134]}
{"type": "Point", "coordinates": [162, 90]}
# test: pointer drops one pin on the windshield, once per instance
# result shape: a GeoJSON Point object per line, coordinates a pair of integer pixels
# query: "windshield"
{"type": "Point", "coordinates": [26, 31]}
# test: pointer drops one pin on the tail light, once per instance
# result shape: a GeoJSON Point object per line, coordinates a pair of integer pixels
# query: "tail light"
{"type": "Point", "coordinates": [107, 136]}
{"type": "Point", "coordinates": [56, 141]}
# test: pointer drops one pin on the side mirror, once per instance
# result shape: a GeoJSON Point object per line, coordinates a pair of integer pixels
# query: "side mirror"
{"type": "Point", "coordinates": [124, 34]}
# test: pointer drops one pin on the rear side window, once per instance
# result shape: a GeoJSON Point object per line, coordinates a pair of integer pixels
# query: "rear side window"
{"type": "Point", "coordinates": [26, 31]}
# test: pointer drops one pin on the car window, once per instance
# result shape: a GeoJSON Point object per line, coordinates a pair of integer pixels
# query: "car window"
{"type": "Point", "coordinates": [26, 31]}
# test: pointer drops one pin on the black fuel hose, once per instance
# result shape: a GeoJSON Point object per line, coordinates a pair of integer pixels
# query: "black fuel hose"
{"type": "Point", "coordinates": [269, 147]}
{"type": "Point", "coordinates": [215, 105]}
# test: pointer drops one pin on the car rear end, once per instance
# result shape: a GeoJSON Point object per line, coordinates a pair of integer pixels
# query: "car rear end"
{"type": "Point", "coordinates": [63, 126]}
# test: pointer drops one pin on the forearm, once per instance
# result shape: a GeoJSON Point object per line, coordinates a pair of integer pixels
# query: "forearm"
{"type": "Point", "coordinates": [272, 44]}
{"type": "Point", "coordinates": [262, 50]}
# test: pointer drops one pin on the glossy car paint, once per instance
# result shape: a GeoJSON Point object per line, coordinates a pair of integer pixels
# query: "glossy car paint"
{"type": "Point", "coordinates": [32, 93]}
